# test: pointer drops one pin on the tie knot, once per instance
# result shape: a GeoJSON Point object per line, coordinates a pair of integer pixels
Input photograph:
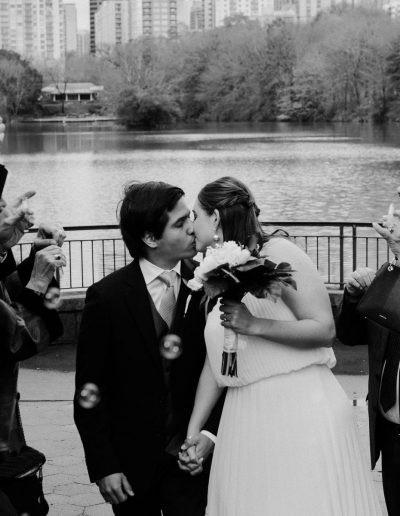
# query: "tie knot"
{"type": "Point", "coordinates": [168, 277]}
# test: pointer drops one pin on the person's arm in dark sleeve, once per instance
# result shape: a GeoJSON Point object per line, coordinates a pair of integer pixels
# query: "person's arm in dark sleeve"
{"type": "Point", "coordinates": [92, 366]}
{"type": "Point", "coordinates": [23, 332]}
{"type": "Point", "coordinates": [350, 324]}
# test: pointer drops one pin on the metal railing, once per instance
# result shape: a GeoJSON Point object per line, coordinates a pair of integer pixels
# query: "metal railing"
{"type": "Point", "coordinates": [336, 248]}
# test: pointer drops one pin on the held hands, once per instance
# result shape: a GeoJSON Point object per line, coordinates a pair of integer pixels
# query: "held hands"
{"type": "Point", "coordinates": [46, 262]}
{"type": "Point", "coordinates": [194, 452]}
{"type": "Point", "coordinates": [236, 316]}
{"type": "Point", "coordinates": [359, 281]}
{"type": "Point", "coordinates": [15, 219]}
{"type": "Point", "coordinates": [115, 488]}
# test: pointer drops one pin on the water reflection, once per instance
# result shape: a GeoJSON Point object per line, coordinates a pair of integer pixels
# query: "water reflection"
{"type": "Point", "coordinates": [320, 172]}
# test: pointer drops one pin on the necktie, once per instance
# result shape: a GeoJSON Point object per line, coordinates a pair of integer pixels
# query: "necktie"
{"type": "Point", "coordinates": [389, 377]}
{"type": "Point", "coordinates": [168, 300]}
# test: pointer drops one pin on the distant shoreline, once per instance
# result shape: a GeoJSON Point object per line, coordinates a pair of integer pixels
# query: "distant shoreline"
{"type": "Point", "coordinates": [68, 119]}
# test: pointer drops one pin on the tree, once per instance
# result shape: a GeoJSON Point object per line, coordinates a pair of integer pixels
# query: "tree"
{"type": "Point", "coordinates": [149, 96]}
{"type": "Point", "coordinates": [20, 84]}
{"type": "Point", "coordinates": [393, 74]}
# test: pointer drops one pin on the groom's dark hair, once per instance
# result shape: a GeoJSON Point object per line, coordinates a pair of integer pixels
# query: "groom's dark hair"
{"type": "Point", "coordinates": [145, 208]}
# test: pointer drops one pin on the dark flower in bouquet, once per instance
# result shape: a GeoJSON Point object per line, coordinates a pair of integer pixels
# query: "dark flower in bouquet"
{"type": "Point", "coordinates": [231, 270]}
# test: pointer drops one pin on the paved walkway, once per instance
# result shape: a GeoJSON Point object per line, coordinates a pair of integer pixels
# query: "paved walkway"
{"type": "Point", "coordinates": [46, 408]}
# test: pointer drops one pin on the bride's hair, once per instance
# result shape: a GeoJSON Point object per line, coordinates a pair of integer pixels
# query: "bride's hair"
{"type": "Point", "coordinates": [237, 209]}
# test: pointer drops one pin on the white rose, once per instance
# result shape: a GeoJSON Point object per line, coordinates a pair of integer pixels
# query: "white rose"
{"type": "Point", "coordinates": [195, 284]}
{"type": "Point", "coordinates": [232, 253]}
{"type": "Point", "coordinates": [244, 257]}
{"type": "Point", "coordinates": [208, 264]}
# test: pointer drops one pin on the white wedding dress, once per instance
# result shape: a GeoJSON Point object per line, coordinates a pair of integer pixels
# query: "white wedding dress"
{"type": "Point", "coordinates": [287, 441]}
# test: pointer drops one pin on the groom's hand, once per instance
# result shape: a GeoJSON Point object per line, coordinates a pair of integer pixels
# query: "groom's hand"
{"type": "Point", "coordinates": [194, 452]}
{"type": "Point", "coordinates": [115, 488]}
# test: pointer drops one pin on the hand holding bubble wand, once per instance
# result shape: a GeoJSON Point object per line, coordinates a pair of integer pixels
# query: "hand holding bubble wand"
{"type": "Point", "coordinates": [389, 228]}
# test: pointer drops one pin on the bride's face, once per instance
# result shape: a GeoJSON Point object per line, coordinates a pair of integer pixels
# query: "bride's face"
{"type": "Point", "coordinates": [204, 226]}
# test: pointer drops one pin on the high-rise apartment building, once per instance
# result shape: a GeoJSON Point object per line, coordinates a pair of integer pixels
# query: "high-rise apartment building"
{"type": "Point", "coordinates": [83, 42]}
{"type": "Point", "coordinates": [117, 22]}
{"type": "Point", "coordinates": [160, 18]}
{"type": "Point", "coordinates": [33, 28]}
{"type": "Point", "coordinates": [93, 6]}
{"type": "Point", "coordinates": [135, 18]}
{"type": "Point", "coordinates": [227, 8]}
{"type": "Point", "coordinates": [202, 14]}
{"type": "Point", "coordinates": [183, 12]}
{"type": "Point", "coordinates": [111, 23]}
{"type": "Point", "coordinates": [71, 27]}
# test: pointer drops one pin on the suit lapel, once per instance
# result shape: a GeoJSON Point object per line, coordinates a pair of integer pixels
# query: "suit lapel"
{"type": "Point", "coordinates": [187, 267]}
{"type": "Point", "coordinates": [137, 299]}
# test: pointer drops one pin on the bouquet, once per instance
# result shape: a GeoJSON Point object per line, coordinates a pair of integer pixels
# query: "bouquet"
{"type": "Point", "coordinates": [232, 270]}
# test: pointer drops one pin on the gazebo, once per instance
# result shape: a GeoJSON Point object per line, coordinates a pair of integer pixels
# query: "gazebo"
{"type": "Point", "coordinates": [72, 91]}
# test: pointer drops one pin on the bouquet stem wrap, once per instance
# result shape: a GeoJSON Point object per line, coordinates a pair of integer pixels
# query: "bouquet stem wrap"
{"type": "Point", "coordinates": [231, 338]}
{"type": "Point", "coordinates": [229, 353]}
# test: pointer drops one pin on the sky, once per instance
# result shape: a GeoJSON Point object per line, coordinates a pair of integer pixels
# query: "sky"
{"type": "Point", "coordinates": [82, 7]}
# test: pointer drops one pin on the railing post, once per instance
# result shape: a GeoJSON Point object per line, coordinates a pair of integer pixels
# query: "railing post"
{"type": "Point", "coordinates": [341, 255]}
{"type": "Point", "coordinates": [354, 241]}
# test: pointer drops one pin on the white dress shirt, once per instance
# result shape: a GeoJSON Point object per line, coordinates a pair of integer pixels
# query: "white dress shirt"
{"type": "Point", "coordinates": [154, 284]}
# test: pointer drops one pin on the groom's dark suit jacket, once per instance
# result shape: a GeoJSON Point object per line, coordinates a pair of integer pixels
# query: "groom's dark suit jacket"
{"type": "Point", "coordinates": [353, 329]}
{"type": "Point", "coordinates": [119, 352]}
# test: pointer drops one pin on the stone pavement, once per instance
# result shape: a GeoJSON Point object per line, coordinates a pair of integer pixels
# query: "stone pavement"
{"type": "Point", "coordinates": [46, 407]}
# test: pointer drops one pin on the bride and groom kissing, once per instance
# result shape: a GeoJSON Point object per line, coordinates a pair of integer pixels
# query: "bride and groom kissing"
{"type": "Point", "coordinates": [284, 435]}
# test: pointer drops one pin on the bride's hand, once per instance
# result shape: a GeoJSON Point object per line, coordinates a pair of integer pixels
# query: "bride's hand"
{"type": "Point", "coordinates": [237, 317]}
{"type": "Point", "coordinates": [193, 453]}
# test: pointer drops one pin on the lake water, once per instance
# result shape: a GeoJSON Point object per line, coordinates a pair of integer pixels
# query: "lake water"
{"type": "Point", "coordinates": [320, 172]}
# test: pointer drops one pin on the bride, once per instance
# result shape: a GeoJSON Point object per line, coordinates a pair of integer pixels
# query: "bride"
{"type": "Point", "coordinates": [287, 443]}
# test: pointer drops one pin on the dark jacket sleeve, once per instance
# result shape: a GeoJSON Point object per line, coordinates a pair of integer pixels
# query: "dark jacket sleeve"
{"type": "Point", "coordinates": [92, 366]}
{"type": "Point", "coordinates": [8, 265]}
{"type": "Point", "coordinates": [351, 326]}
{"type": "Point", "coordinates": [26, 325]}
{"type": "Point", "coordinates": [24, 332]}
{"type": "Point", "coordinates": [28, 304]}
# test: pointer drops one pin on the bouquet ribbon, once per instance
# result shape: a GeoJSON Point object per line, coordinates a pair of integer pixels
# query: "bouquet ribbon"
{"type": "Point", "coordinates": [229, 353]}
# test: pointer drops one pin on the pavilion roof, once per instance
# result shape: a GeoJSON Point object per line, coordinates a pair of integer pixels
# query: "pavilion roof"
{"type": "Point", "coordinates": [72, 87]}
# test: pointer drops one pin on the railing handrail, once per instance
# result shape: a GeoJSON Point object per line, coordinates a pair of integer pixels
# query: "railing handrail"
{"type": "Point", "coordinates": [337, 248]}
{"type": "Point", "coordinates": [264, 223]}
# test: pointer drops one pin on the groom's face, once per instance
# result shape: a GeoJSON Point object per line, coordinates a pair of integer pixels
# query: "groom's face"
{"type": "Point", "coordinates": [177, 241]}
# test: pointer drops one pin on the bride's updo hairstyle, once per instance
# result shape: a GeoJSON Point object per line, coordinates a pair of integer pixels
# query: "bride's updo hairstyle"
{"type": "Point", "coordinates": [237, 209]}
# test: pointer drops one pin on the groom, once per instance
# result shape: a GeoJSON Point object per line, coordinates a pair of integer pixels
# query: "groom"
{"type": "Point", "coordinates": [132, 436]}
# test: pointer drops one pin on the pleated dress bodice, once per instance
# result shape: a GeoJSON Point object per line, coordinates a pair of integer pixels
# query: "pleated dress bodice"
{"type": "Point", "coordinates": [257, 357]}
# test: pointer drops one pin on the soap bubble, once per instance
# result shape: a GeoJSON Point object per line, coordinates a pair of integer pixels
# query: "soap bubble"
{"type": "Point", "coordinates": [52, 298]}
{"type": "Point", "coordinates": [171, 346]}
{"type": "Point", "coordinates": [89, 396]}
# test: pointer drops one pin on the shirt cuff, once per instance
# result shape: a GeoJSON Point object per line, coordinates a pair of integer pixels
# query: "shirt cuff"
{"type": "Point", "coordinates": [209, 435]}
